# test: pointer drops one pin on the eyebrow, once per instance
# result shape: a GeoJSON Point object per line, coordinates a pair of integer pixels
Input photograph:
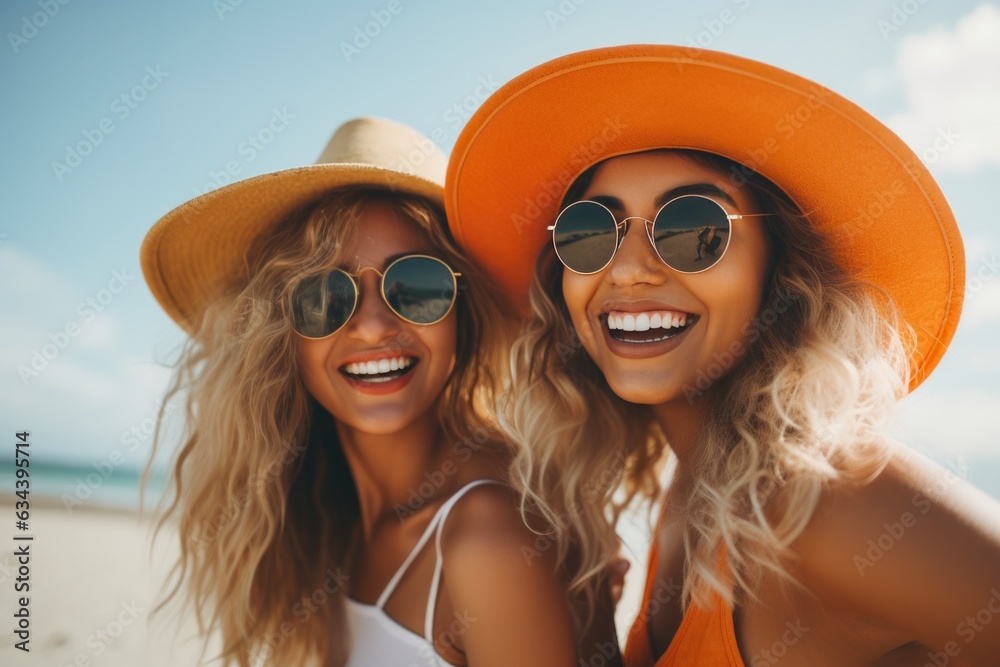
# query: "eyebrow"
{"type": "Point", "coordinates": [388, 260]}
{"type": "Point", "coordinates": [704, 189]}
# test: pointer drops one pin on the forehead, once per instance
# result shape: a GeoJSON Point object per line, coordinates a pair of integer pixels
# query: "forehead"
{"type": "Point", "coordinates": [648, 174]}
{"type": "Point", "coordinates": [383, 232]}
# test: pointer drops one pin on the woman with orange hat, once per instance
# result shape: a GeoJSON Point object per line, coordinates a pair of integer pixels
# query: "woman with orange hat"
{"type": "Point", "coordinates": [759, 366]}
{"type": "Point", "coordinates": [339, 488]}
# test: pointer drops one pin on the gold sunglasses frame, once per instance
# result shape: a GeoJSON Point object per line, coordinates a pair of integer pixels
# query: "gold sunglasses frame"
{"type": "Point", "coordinates": [620, 235]}
{"type": "Point", "coordinates": [356, 278]}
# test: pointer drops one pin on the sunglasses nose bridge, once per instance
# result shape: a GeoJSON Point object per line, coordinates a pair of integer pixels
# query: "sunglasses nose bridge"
{"type": "Point", "coordinates": [635, 260]}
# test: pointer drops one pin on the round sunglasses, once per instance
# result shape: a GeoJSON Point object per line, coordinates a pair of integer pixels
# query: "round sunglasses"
{"type": "Point", "coordinates": [420, 289]}
{"type": "Point", "coordinates": [689, 233]}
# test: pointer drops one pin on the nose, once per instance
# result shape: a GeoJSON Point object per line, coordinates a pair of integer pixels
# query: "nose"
{"type": "Point", "coordinates": [636, 261]}
{"type": "Point", "coordinates": [373, 322]}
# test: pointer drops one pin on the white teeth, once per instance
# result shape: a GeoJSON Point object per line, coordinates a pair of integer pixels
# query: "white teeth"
{"type": "Point", "coordinates": [653, 319]}
{"type": "Point", "coordinates": [378, 367]}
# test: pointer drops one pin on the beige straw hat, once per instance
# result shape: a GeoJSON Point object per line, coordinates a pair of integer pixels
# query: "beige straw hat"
{"type": "Point", "coordinates": [194, 253]}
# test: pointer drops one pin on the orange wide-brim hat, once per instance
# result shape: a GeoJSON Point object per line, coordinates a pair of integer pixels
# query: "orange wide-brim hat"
{"type": "Point", "coordinates": [860, 185]}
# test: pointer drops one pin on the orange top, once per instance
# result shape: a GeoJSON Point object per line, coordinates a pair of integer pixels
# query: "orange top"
{"type": "Point", "coordinates": [705, 637]}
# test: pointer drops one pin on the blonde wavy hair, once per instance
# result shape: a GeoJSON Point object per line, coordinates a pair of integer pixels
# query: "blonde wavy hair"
{"type": "Point", "coordinates": [266, 505]}
{"type": "Point", "coordinates": [828, 357]}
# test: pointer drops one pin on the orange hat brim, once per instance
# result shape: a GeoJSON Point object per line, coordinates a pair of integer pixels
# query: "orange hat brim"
{"type": "Point", "coordinates": [861, 186]}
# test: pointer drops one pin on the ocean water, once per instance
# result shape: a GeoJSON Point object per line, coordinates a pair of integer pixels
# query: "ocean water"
{"type": "Point", "coordinates": [83, 486]}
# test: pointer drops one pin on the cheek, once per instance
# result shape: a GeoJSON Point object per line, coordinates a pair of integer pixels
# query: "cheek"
{"type": "Point", "coordinates": [312, 364]}
{"type": "Point", "coordinates": [578, 291]}
{"type": "Point", "coordinates": [441, 339]}
{"type": "Point", "coordinates": [733, 292]}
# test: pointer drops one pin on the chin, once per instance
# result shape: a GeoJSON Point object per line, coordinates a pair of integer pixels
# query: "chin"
{"type": "Point", "coordinates": [644, 390]}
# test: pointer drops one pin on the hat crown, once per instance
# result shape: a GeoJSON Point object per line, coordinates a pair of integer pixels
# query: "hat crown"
{"type": "Point", "coordinates": [385, 144]}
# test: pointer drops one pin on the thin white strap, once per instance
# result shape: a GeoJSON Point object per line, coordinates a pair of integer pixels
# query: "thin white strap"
{"type": "Point", "coordinates": [398, 576]}
{"type": "Point", "coordinates": [439, 562]}
{"type": "Point", "coordinates": [391, 586]}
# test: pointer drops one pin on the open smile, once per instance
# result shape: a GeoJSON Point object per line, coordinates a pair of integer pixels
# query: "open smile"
{"type": "Point", "coordinates": [379, 376]}
{"type": "Point", "coordinates": [646, 333]}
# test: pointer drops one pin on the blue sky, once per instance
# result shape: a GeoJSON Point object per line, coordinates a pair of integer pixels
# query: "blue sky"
{"type": "Point", "coordinates": [167, 95]}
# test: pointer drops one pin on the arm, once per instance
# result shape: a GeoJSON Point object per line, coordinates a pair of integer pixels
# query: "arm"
{"type": "Point", "coordinates": [496, 576]}
{"type": "Point", "coordinates": [918, 551]}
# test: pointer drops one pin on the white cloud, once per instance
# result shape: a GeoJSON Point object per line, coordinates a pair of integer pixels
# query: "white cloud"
{"type": "Point", "coordinates": [951, 79]}
{"type": "Point", "coordinates": [982, 305]}
{"type": "Point", "coordinates": [87, 391]}
{"type": "Point", "coordinates": [951, 424]}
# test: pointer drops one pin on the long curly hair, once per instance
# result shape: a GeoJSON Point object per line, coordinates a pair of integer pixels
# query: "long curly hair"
{"type": "Point", "coordinates": [827, 358]}
{"type": "Point", "coordinates": [266, 507]}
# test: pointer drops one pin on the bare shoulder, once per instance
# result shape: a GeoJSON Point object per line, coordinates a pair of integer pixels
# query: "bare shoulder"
{"type": "Point", "coordinates": [917, 549]}
{"type": "Point", "coordinates": [486, 519]}
{"type": "Point", "coordinates": [911, 497]}
{"type": "Point", "coordinates": [491, 575]}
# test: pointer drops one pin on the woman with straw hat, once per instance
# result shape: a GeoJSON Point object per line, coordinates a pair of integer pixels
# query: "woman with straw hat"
{"type": "Point", "coordinates": [734, 265]}
{"type": "Point", "coordinates": [339, 486]}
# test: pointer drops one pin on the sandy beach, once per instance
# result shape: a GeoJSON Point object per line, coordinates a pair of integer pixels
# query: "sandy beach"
{"type": "Point", "coordinates": [94, 582]}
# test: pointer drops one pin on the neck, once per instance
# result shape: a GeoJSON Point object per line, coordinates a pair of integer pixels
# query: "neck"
{"type": "Point", "coordinates": [682, 423]}
{"type": "Point", "coordinates": [390, 469]}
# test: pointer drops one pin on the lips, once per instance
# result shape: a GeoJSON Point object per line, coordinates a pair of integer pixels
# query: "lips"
{"type": "Point", "coordinates": [380, 374]}
{"type": "Point", "coordinates": [637, 327]}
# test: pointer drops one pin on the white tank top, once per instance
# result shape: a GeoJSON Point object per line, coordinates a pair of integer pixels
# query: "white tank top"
{"type": "Point", "coordinates": [376, 639]}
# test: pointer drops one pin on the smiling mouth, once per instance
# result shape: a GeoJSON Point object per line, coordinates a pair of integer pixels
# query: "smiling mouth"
{"type": "Point", "coordinates": [648, 326]}
{"type": "Point", "coordinates": [376, 372]}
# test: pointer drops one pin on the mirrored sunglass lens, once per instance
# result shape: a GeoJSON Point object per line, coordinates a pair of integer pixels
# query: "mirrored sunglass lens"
{"type": "Point", "coordinates": [322, 304]}
{"type": "Point", "coordinates": [691, 233]}
{"type": "Point", "coordinates": [420, 289]}
{"type": "Point", "coordinates": [585, 237]}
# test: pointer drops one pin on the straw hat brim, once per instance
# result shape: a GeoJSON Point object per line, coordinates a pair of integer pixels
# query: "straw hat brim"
{"type": "Point", "coordinates": [859, 183]}
{"type": "Point", "coordinates": [197, 251]}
